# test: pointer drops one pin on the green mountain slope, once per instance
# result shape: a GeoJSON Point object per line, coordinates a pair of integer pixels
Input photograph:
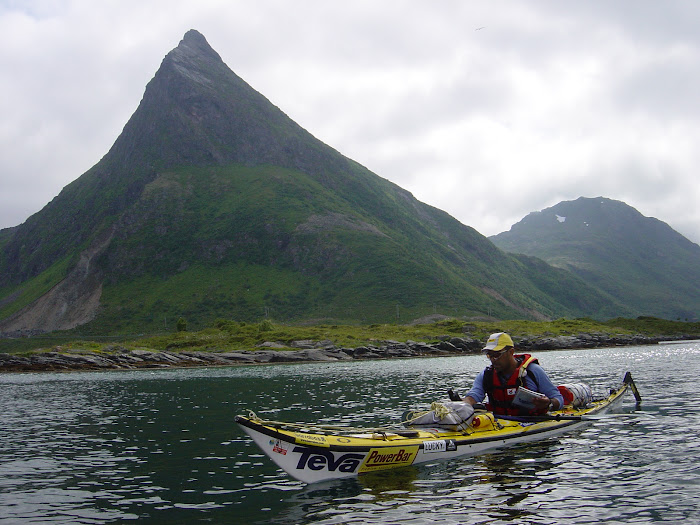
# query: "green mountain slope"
{"type": "Point", "coordinates": [213, 203]}
{"type": "Point", "coordinates": [639, 260]}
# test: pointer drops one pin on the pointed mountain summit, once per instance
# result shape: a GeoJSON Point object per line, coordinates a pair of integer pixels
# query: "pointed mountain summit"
{"type": "Point", "coordinates": [195, 111]}
{"type": "Point", "coordinates": [212, 203]}
{"type": "Point", "coordinates": [640, 260]}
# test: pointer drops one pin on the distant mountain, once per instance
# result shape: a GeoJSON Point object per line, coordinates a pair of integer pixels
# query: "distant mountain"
{"type": "Point", "coordinates": [640, 261]}
{"type": "Point", "coordinates": [213, 203]}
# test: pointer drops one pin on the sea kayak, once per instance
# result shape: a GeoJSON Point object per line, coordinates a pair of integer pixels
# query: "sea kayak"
{"type": "Point", "coordinates": [311, 453]}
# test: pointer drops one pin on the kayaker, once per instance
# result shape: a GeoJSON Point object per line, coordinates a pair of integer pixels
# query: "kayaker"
{"type": "Point", "coordinates": [508, 372]}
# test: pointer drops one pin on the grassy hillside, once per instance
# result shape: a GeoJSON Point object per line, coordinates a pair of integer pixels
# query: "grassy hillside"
{"type": "Point", "coordinates": [251, 243]}
{"type": "Point", "coordinates": [17, 297]}
{"type": "Point", "coordinates": [638, 260]}
{"type": "Point", "coordinates": [225, 335]}
{"type": "Point", "coordinates": [268, 242]}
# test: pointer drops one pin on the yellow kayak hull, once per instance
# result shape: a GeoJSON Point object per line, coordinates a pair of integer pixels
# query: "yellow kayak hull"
{"type": "Point", "coordinates": [311, 454]}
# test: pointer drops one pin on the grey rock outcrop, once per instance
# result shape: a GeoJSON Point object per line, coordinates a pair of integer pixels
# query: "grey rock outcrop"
{"type": "Point", "coordinates": [118, 357]}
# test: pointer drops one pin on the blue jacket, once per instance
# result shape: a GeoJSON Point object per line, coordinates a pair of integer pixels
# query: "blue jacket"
{"type": "Point", "coordinates": [536, 380]}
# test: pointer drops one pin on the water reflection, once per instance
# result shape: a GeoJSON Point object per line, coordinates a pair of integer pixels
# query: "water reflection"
{"type": "Point", "coordinates": [508, 485]}
{"type": "Point", "coordinates": [162, 447]}
{"type": "Point", "coordinates": [386, 485]}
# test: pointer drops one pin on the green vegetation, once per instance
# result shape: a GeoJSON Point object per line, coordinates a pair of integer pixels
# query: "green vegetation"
{"type": "Point", "coordinates": [246, 242]}
{"type": "Point", "coordinates": [640, 261]}
{"type": "Point", "coordinates": [653, 326]}
{"type": "Point", "coordinates": [227, 335]}
{"type": "Point", "coordinates": [228, 209]}
{"type": "Point", "coordinates": [17, 297]}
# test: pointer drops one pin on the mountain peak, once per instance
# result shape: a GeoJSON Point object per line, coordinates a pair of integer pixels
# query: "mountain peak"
{"type": "Point", "coordinates": [194, 38]}
{"type": "Point", "coordinates": [197, 111]}
{"type": "Point", "coordinates": [194, 56]}
{"type": "Point", "coordinates": [209, 191]}
{"type": "Point", "coordinates": [613, 246]}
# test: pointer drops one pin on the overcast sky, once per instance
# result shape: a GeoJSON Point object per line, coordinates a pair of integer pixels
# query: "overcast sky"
{"type": "Point", "coordinates": [486, 109]}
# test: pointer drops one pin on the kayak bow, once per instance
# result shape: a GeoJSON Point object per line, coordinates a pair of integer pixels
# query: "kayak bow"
{"type": "Point", "coordinates": [312, 453]}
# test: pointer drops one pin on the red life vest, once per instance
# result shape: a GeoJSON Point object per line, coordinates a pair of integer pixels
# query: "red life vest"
{"type": "Point", "coordinates": [500, 394]}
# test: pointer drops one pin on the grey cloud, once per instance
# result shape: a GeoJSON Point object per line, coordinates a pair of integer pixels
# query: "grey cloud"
{"type": "Point", "coordinates": [550, 101]}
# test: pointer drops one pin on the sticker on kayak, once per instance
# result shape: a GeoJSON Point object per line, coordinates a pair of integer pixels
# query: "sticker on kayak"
{"type": "Point", "coordinates": [279, 446]}
{"type": "Point", "coordinates": [442, 445]}
{"type": "Point", "coordinates": [315, 459]}
{"type": "Point", "coordinates": [388, 457]}
{"type": "Point", "coordinates": [311, 439]}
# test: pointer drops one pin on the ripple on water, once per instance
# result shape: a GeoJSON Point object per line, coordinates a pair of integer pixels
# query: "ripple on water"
{"type": "Point", "coordinates": [162, 446]}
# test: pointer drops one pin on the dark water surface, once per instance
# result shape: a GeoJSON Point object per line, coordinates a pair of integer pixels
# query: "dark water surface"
{"type": "Point", "coordinates": [162, 447]}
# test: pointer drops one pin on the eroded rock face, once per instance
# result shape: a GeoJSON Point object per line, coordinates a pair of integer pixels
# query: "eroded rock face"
{"type": "Point", "coordinates": [72, 302]}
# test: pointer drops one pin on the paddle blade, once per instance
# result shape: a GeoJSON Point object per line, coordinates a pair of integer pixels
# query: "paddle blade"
{"type": "Point", "coordinates": [629, 381]}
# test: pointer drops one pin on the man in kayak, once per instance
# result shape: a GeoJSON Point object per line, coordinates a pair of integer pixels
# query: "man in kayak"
{"type": "Point", "coordinates": [509, 372]}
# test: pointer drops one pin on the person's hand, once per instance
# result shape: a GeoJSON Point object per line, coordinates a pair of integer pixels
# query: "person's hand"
{"type": "Point", "coordinates": [541, 403]}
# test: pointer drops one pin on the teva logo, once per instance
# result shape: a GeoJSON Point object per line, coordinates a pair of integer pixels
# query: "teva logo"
{"type": "Point", "coordinates": [320, 459]}
{"type": "Point", "coordinates": [388, 457]}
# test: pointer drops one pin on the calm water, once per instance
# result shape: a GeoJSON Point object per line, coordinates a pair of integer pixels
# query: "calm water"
{"type": "Point", "coordinates": [162, 447]}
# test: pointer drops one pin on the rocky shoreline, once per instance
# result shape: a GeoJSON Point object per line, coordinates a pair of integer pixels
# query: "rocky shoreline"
{"type": "Point", "coordinates": [117, 357]}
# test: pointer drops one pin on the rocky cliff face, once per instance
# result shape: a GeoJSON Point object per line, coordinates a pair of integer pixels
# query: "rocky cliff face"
{"type": "Point", "coordinates": [72, 302]}
{"type": "Point", "coordinates": [196, 111]}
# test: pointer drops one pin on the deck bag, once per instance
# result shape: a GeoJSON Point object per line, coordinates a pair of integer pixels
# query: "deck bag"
{"type": "Point", "coordinates": [448, 415]}
{"type": "Point", "coordinates": [577, 395]}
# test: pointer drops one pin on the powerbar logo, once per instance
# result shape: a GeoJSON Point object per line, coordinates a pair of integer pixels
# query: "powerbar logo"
{"type": "Point", "coordinates": [325, 459]}
{"type": "Point", "coordinates": [388, 457]}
